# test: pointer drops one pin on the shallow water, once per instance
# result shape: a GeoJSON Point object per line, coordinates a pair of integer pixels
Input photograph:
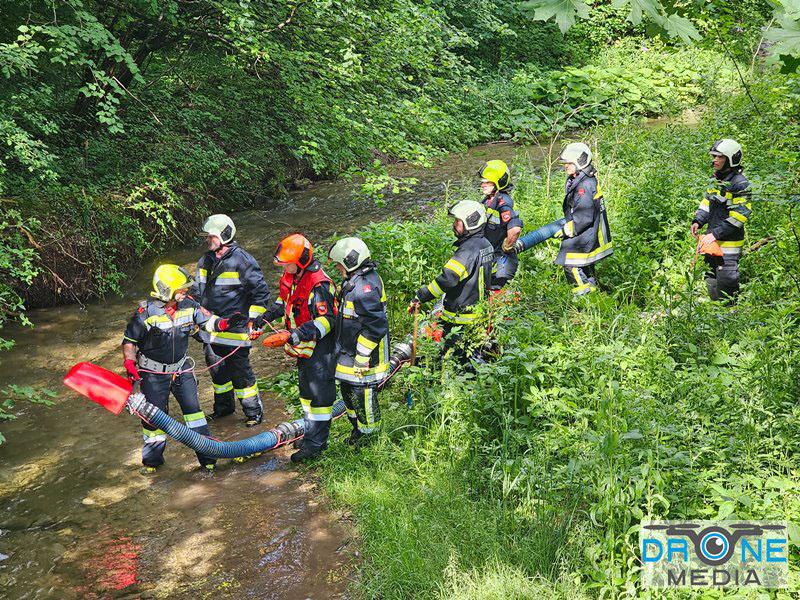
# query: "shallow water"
{"type": "Point", "coordinates": [77, 520]}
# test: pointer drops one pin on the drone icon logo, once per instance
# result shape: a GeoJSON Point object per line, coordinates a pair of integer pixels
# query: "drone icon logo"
{"type": "Point", "coordinates": [735, 553]}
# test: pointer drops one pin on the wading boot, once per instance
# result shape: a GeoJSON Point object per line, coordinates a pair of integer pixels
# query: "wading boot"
{"type": "Point", "coordinates": [219, 413]}
{"type": "Point", "coordinates": [297, 444]}
{"type": "Point", "coordinates": [304, 454]}
{"type": "Point", "coordinates": [355, 435]}
{"type": "Point", "coordinates": [254, 420]}
{"type": "Point", "coordinates": [224, 405]}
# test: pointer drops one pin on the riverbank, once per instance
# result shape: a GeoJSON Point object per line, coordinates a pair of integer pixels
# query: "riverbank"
{"type": "Point", "coordinates": [82, 221]}
{"type": "Point", "coordinates": [530, 478]}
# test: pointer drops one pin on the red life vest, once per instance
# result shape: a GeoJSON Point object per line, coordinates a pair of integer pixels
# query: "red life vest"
{"type": "Point", "coordinates": [295, 298]}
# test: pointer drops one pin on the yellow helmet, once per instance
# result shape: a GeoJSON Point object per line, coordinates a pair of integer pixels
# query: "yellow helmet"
{"type": "Point", "coordinates": [497, 172]}
{"type": "Point", "coordinates": [167, 280]}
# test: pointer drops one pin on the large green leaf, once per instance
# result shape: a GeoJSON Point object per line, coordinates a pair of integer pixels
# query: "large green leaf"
{"type": "Point", "coordinates": [563, 11]}
{"type": "Point", "coordinates": [677, 26]}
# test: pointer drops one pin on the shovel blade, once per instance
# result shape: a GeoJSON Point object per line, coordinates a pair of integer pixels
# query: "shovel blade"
{"type": "Point", "coordinates": [100, 385]}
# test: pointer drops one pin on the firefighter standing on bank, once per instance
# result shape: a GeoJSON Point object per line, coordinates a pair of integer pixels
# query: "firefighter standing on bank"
{"type": "Point", "coordinates": [725, 209]}
{"type": "Point", "coordinates": [503, 222]}
{"type": "Point", "coordinates": [466, 277]}
{"type": "Point", "coordinates": [306, 301]}
{"type": "Point", "coordinates": [586, 238]}
{"type": "Point", "coordinates": [362, 335]}
{"type": "Point", "coordinates": [154, 349]}
{"type": "Point", "coordinates": [229, 281]}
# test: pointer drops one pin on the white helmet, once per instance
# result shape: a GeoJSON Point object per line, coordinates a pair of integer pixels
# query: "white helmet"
{"type": "Point", "coordinates": [577, 153]}
{"type": "Point", "coordinates": [730, 149]}
{"type": "Point", "coordinates": [221, 226]}
{"type": "Point", "coordinates": [350, 252]}
{"type": "Point", "coordinates": [471, 213]}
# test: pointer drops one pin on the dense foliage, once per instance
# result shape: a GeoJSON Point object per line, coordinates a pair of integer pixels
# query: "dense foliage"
{"type": "Point", "coordinates": [529, 478]}
{"type": "Point", "coordinates": [122, 123]}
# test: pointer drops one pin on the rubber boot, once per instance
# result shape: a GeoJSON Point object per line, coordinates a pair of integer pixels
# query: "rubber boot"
{"type": "Point", "coordinates": [224, 405]}
{"type": "Point", "coordinates": [355, 434]}
{"type": "Point", "coordinates": [254, 420]}
{"type": "Point", "coordinates": [304, 454]}
{"type": "Point", "coordinates": [711, 286]}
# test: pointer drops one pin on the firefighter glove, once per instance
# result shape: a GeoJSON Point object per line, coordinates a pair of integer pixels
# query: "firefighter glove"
{"type": "Point", "coordinates": [131, 370]}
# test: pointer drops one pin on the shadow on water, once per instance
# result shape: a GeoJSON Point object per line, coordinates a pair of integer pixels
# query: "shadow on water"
{"type": "Point", "coordinates": [76, 518]}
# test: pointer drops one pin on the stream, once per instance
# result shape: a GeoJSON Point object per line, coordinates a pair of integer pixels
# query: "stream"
{"type": "Point", "coordinates": [77, 520]}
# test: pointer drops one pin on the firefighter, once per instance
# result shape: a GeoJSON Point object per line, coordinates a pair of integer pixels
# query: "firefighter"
{"type": "Point", "coordinates": [725, 209]}
{"type": "Point", "coordinates": [585, 237]}
{"type": "Point", "coordinates": [306, 302]}
{"type": "Point", "coordinates": [465, 279]}
{"type": "Point", "coordinates": [504, 223]}
{"type": "Point", "coordinates": [154, 349]}
{"type": "Point", "coordinates": [229, 281]}
{"type": "Point", "coordinates": [362, 335]}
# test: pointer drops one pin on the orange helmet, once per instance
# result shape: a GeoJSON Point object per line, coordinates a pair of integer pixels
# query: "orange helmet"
{"type": "Point", "coordinates": [294, 249]}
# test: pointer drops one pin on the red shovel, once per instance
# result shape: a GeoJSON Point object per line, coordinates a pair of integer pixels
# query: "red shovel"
{"type": "Point", "coordinates": [100, 385]}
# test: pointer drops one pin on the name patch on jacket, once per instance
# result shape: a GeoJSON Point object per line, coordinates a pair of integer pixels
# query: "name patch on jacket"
{"type": "Point", "coordinates": [367, 289]}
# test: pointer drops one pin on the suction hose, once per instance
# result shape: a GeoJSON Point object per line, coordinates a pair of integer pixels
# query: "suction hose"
{"type": "Point", "coordinates": [537, 236]}
{"type": "Point", "coordinates": [278, 436]}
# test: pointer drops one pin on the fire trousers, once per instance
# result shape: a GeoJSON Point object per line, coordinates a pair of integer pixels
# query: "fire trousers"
{"type": "Point", "coordinates": [156, 388]}
{"type": "Point", "coordinates": [233, 377]}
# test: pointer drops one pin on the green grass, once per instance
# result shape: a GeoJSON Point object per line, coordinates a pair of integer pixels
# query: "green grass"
{"type": "Point", "coordinates": [530, 478]}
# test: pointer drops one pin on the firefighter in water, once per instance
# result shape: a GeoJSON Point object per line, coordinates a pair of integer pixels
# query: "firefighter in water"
{"type": "Point", "coordinates": [154, 349]}
{"type": "Point", "coordinates": [362, 335]}
{"type": "Point", "coordinates": [503, 222]}
{"type": "Point", "coordinates": [229, 281]}
{"type": "Point", "coordinates": [585, 237]}
{"type": "Point", "coordinates": [306, 302]}
{"type": "Point", "coordinates": [465, 279]}
{"type": "Point", "coordinates": [725, 209]}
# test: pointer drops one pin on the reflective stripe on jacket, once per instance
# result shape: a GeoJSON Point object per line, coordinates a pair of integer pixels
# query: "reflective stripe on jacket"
{"type": "Point", "coordinates": [501, 217]}
{"type": "Point", "coordinates": [298, 301]}
{"type": "Point", "coordinates": [160, 337]}
{"type": "Point", "coordinates": [362, 336]}
{"type": "Point", "coordinates": [227, 285]}
{"type": "Point", "coordinates": [726, 208]}
{"type": "Point", "coordinates": [587, 237]}
{"type": "Point", "coordinates": [465, 279]}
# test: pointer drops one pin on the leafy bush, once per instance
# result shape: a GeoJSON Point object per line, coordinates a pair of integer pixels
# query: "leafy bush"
{"type": "Point", "coordinates": [645, 401]}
